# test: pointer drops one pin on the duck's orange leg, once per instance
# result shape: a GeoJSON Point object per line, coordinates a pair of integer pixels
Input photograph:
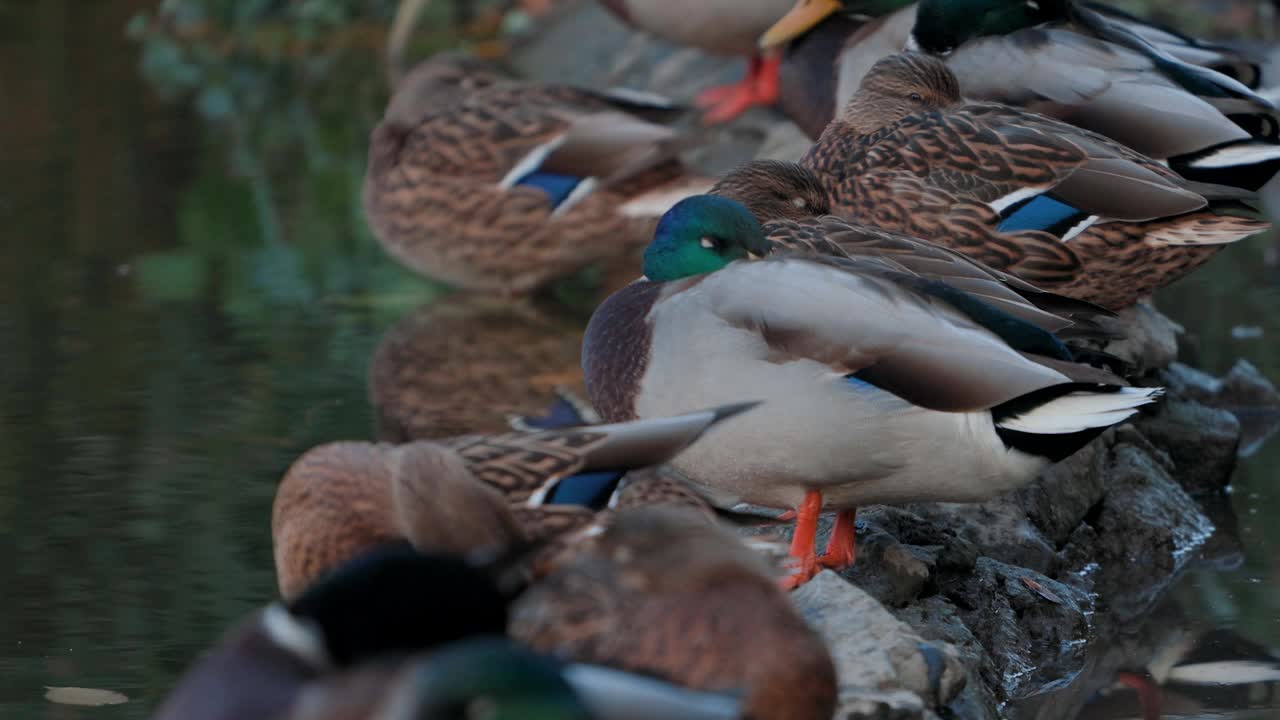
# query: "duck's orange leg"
{"type": "Point", "coordinates": [1149, 694]}
{"type": "Point", "coordinates": [802, 541]}
{"type": "Point", "coordinates": [842, 544]}
{"type": "Point", "coordinates": [759, 87]}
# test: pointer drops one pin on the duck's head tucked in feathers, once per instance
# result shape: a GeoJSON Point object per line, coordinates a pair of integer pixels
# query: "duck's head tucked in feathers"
{"type": "Point", "coordinates": [702, 234]}
{"type": "Point", "coordinates": [899, 86]}
{"type": "Point", "coordinates": [775, 190]}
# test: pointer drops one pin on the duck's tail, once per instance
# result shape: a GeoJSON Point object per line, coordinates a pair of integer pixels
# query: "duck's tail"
{"type": "Point", "coordinates": [1057, 421]}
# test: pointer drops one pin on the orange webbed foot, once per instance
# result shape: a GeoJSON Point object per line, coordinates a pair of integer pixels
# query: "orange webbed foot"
{"type": "Point", "coordinates": [760, 87]}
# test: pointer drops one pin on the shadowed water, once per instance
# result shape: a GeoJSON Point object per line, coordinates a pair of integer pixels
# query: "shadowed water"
{"type": "Point", "coordinates": [189, 299]}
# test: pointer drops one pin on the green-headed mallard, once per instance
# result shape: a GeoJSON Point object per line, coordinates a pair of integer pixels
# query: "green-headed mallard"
{"type": "Point", "coordinates": [879, 384]}
{"type": "Point", "coordinates": [1163, 94]}
{"type": "Point", "coordinates": [663, 593]}
{"type": "Point", "coordinates": [394, 635]}
{"type": "Point", "coordinates": [466, 493]}
{"type": "Point", "coordinates": [1068, 209]}
{"type": "Point", "coordinates": [491, 184]}
{"type": "Point", "coordinates": [723, 27]}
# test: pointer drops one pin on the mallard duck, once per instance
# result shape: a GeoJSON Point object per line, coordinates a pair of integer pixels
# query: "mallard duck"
{"type": "Point", "coordinates": [879, 385]}
{"type": "Point", "coordinates": [1062, 207]}
{"type": "Point", "coordinates": [462, 494]}
{"type": "Point", "coordinates": [794, 204]}
{"type": "Point", "coordinates": [394, 634]}
{"type": "Point", "coordinates": [1163, 94]}
{"type": "Point", "coordinates": [491, 184]}
{"type": "Point", "coordinates": [662, 593]}
{"type": "Point", "coordinates": [464, 363]}
{"type": "Point", "coordinates": [723, 27]}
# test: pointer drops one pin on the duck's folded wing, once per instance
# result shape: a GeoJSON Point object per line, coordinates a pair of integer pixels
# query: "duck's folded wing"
{"type": "Point", "coordinates": [887, 328]}
{"type": "Point", "coordinates": [1101, 180]}
{"type": "Point", "coordinates": [839, 237]}
{"type": "Point", "coordinates": [528, 467]}
{"type": "Point", "coordinates": [1093, 84]}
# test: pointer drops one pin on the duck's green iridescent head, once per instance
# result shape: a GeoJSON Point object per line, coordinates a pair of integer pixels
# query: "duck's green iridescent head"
{"type": "Point", "coordinates": [502, 680]}
{"type": "Point", "coordinates": [702, 234]}
{"type": "Point", "coordinates": [944, 25]}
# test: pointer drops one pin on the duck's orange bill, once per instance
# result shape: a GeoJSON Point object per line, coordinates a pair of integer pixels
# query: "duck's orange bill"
{"type": "Point", "coordinates": [798, 21]}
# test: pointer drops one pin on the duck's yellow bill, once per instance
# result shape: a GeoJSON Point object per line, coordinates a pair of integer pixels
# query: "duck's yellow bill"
{"type": "Point", "coordinates": [798, 21]}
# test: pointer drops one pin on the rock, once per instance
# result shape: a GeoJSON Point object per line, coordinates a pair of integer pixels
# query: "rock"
{"type": "Point", "coordinates": [1244, 392]}
{"type": "Point", "coordinates": [1032, 627]}
{"type": "Point", "coordinates": [1202, 442]}
{"type": "Point", "coordinates": [952, 552]}
{"type": "Point", "coordinates": [1059, 499]}
{"type": "Point", "coordinates": [938, 620]}
{"type": "Point", "coordinates": [784, 141]}
{"type": "Point", "coordinates": [874, 705]}
{"type": "Point", "coordinates": [891, 572]}
{"type": "Point", "coordinates": [1148, 340]}
{"type": "Point", "coordinates": [1139, 536]}
{"type": "Point", "coordinates": [873, 650]}
{"type": "Point", "coordinates": [999, 529]}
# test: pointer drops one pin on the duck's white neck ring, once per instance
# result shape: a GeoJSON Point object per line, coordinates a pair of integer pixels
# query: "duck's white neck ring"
{"type": "Point", "coordinates": [300, 637]}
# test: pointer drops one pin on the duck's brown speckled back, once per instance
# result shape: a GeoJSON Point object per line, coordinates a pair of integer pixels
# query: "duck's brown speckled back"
{"type": "Point", "coordinates": [666, 593]}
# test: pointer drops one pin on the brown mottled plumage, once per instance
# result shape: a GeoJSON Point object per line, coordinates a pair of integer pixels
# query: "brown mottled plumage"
{"type": "Point", "coordinates": [443, 192]}
{"type": "Point", "coordinates": [906, 154]}
{"type": "Point", "coordinates": [663, 593]}
{"type": "Point", "coordinates": [456, 495]}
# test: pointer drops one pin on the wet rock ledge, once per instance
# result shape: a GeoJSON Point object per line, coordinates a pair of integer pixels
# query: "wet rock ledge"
{"type": "Point", "coordinates": [1020, 607]}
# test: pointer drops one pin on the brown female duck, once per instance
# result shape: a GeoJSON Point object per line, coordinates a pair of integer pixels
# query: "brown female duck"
{"type": "Point", "coordinates": [491, 184]}
{"type": "Point", "coordinates": [464, 493]}
{"type": "Point", "coordinates": [710, 614]}
{"type": "Point", "coordinates": [1067, 209]}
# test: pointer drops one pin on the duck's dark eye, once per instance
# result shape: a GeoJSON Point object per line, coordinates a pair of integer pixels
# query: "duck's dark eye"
{"type": "Point", "coordinates": [916, 97]}
{"type": "Point", "coordinates": [712, 242]}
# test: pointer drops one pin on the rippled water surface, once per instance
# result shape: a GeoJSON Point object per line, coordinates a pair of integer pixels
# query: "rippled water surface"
{"type": "Point", "coordinates": [189, 298]}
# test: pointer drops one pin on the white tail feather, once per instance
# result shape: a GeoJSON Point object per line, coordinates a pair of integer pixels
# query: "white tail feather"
{"type": "Point", "coordinates": [1236, 155]}
{"type": "Point", "coordinates": [1081, 410]}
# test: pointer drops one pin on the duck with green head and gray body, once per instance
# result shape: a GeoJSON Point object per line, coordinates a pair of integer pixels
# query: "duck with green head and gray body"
{"type": "Point", "coordinates": [1166, 95]}
{"type": "Point", "coordinates": [396, 635]}
{"type": "Point", "coordinates": [879, 385]}
{"type": "Point", "coordinates": [1070, 210]}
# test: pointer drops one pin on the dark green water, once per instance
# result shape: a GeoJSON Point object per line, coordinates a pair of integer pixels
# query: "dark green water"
{"type": "Point", "coordinates": [188, 300]}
